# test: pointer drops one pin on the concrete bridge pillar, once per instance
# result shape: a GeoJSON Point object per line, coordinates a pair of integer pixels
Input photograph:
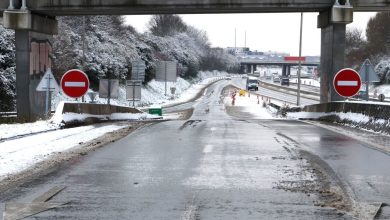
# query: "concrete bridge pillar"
{"type": "Point", "coordinates": [33, 35]}
{"type": "Point", "coordinates": [284, 70]}
{"type": "Point", "coordinates": [333, 26]}
{"type": "Point", "coordinates": [288, 70]}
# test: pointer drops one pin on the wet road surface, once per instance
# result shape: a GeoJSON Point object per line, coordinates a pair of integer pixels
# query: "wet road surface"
{"type": "Point", "coordinates": [215, 166]}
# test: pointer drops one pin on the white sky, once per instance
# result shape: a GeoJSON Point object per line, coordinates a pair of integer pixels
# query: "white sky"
{"type": "Point", "coordinates": [265, 32]}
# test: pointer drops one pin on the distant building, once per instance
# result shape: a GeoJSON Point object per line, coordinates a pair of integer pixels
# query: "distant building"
{"type": "Point", "coordinates": [238, 50]}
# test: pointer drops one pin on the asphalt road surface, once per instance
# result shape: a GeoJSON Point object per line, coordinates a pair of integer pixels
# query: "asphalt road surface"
{"type": "Point", "coordinates": [216, 166]}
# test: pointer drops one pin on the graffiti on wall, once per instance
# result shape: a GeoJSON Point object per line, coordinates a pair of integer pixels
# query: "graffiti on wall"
{"type": "Point", "coordinates": [40, 59]}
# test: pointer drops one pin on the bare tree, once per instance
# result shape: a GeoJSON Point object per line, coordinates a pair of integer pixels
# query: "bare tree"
{"type": "Point", "coordinates": [166, 25]}
{"type": "Point", "coordinates": [378, 33]}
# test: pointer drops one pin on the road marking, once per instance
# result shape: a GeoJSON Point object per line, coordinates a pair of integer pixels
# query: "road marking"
{"type": "Point", "coordinates": [347, 83]}
{"type": "Point", "coordinates": [15, 211]}
{"type": "Point", "coordinates": [74, 84]}
{"type": "Point", "coordinates": [208, 149]}
{"type": "Point", "coordinates": [49, 194]}
{"type": "Point", "coordinates": [213, 129]}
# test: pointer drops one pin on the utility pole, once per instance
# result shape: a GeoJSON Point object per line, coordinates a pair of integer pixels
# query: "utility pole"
{"type": "Point", "coordinates": [235, 41]}
{"type": "Point", "coordinates": [300, 63]}
{"type": "Point", "coordinates": [245, 40]}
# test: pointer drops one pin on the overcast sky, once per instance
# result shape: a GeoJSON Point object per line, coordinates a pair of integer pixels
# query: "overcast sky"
{"type": "Point", "coordinates": [265, 32]}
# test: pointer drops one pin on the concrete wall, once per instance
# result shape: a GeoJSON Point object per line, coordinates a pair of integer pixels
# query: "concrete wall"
{"type": "Point", "coordinates": [96, 109]}
{"type": "Point", "coordinates": [78, 7]}
{"type": "Point", "coordinates": [373, 110]}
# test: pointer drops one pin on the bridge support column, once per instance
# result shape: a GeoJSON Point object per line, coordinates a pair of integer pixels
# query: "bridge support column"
{"type": "Point", "coordinates": [333, 26]}
{"type": "Point", "coordinates": [284, 70]}
{"type": "Point", "coordinates": [288, 68]}
{"type": "Point", "coordinates": [33, 51]}
{"type": "Point", "coordinates": [252, 69]}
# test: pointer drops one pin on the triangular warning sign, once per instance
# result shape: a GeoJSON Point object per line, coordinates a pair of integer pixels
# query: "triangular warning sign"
{"type": "Point", "coordinates": [367, 72]}
{"type": "Point", "coordinates": [48, 81]}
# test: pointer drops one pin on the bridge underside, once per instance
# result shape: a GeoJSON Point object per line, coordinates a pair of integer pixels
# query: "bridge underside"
{"type": "Point", "coordinates": [127, 7]}
{"type": "Point", "coordinates": [38, 22]}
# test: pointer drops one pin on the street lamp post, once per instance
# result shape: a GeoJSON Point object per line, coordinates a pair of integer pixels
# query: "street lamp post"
{"type": "Point", "coordinates": [300, 63]}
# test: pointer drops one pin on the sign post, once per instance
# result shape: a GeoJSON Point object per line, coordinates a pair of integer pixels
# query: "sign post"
{"type": "Point", "coordinates": [133, 90]}
{"type": "Point", "coordinates": [367, 74]}
{"type": "Point", "coordinates": [48, 84]}
{"type": "Point", "coordinates": [75, 83]}
{"type": "Point", "coordinates": [347, 82]}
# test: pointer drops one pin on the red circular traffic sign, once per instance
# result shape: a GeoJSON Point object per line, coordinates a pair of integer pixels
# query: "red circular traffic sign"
{"type": "Point", "coordinates": [347, 82]}
{"type": "Point", "coordinates": [75, 83]}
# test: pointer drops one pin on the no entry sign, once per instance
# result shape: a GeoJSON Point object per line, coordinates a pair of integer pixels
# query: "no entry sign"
{"type": "Point", "coordinates": [347, 82]}
{"type": "Point", "coordinates": [75, 83]}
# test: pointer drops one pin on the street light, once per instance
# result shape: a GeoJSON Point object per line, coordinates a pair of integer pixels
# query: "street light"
{"type": "Point", "coordinates": [300, 63]}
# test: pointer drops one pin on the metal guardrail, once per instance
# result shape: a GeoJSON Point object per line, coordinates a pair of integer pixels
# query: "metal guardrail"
{"type": "Point", "coordinates": [13, 114]}
{"type": "Point", "coordinates": [8, 114]}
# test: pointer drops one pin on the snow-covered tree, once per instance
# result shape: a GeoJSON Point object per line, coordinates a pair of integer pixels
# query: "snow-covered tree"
{"type": "Point", "coordinates": [383, 70]}
{"type": "Point", "coordinates": [7, 70]}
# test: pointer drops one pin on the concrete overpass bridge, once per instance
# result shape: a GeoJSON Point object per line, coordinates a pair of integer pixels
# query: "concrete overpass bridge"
{"type": "Point", "coordinates": [34, 20]}
{"type": "Point", "coordinates": [249, 63]}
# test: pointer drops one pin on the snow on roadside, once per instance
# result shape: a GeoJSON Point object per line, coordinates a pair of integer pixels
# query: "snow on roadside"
{"type": "Point", "coordinates": [354, 117]}
{"type": "Point", "coordinates": [20, 154]}
{"type": "Point", "coordinates": [357, 120]}
{"type": "Point", "coordinates": [251, 105]}
{"type": "Point", "coordinates": [154, 91]}
{"type": "Point", "coordinates": [12, 130]}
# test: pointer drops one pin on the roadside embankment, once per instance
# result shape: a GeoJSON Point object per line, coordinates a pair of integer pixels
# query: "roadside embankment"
{"type": "Point", "coordinates": [74, 114]}
{"type": "Point", "coordinates": [367, 115]}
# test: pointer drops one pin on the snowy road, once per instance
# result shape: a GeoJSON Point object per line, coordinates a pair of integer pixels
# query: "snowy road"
{"type": "Point", "coordinates": [223, 163]}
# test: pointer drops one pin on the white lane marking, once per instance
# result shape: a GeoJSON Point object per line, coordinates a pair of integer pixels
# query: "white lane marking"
{"type": "Point", "coordinates": [347, 83]}
{"type": "Point", "coordinates": [213, 129]}
{"type": "Point", "coordinates": [74, 84]}
{"type": "Point", "coordinates": [208, 149]}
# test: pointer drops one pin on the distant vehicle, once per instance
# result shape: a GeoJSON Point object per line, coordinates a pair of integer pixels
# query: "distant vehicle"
{"type": "Point", "coordinates": [285, 81]}
{"type": "Point", "coordinates": [244, 76]}
{"type": "Point", "coordinates": [228, 78]}
{"type": "Point", "coordinates": [268, 77]}
{"type": "Point", "coordinates": [361, 95]}
{"type": "Point", "coordinates": [252, 83]}
{"type": "Point", "coordinates": [276, 79]}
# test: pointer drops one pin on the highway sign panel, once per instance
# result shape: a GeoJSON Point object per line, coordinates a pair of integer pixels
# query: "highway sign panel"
{"type": "Point", "coordinates": [347, 82]}
{"type": "Point", "coordinates": [106, 85]}
{"type": "Point", "coordinates": [138, 70]}
{"type": "Point", "coordinates": [133, 90]}
{"type": "Point", "coordinates": [166, 71]}
{"type": "Point", "coordinates": [75, 83]}
{"type": "Point", "coordinates": [48, 82]}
